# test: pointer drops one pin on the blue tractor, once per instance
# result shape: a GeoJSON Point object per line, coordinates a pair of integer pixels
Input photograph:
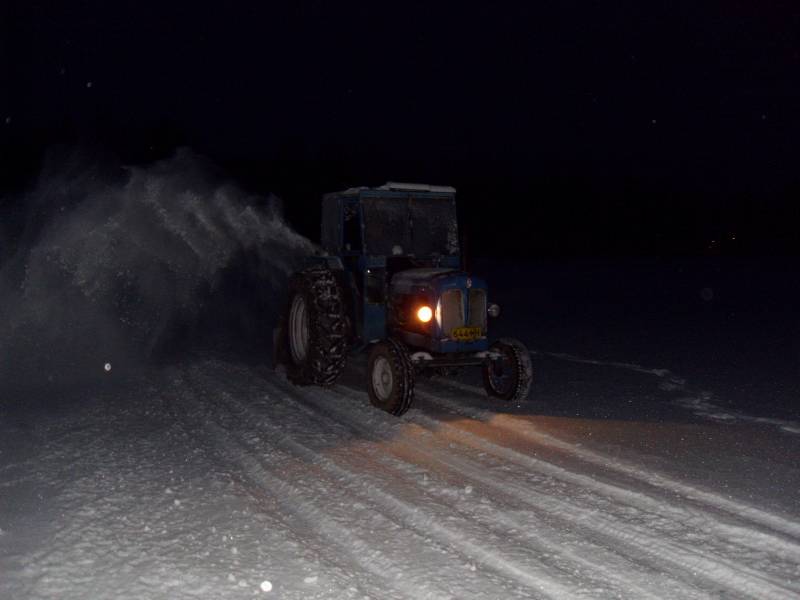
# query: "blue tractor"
{"type": "Point", "coordinates": [389, 281]}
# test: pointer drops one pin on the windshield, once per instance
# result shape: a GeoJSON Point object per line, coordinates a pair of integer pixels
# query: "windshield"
{"type": "Point", "coordinates": [421, 226]}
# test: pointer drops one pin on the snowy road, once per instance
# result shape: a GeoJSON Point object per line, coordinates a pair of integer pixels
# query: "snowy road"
{"type": "Point", "coordinates": [216, 479]}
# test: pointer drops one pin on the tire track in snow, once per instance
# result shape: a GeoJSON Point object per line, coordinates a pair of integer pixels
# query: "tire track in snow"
{"type": "Point", "coordinates": [663, 373]}
{"type": "Point", "coordinates": [746, 536]}
{"type": "Point", "coordinates": [426, 526]}
{"type": "Point", "coordinates": [407, 516]}
{"type": "Point", "coordinates": [581, 558]}
{"type": "Point", "coordinates": [699, 518]}
{"type": "Point", "coordinates": [715, 502]}
{"type": "Point", "coordinates": [699, 403]}
{"type": "Point", "coordinates": [106, 531]}
{"type": "Point", "coordinates": [294, 502]}
{"type": "Point", "coordinates": [719, 571]}
{"type": "Point", "coordinates": [712, 566]}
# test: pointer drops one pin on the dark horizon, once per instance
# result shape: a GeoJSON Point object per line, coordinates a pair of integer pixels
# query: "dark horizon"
{"type": "Point", "coordinates": [627, 131]}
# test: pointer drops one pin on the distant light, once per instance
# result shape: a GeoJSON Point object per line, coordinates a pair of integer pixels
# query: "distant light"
{"type": "Point", "coordinates": [107, 366]}
{"type": "Point", "coordinates": [88, 84]}
{"type": "Point", "coordinates": [266, 586]}
{"type": "Point", "coordinates": [425, 314]}
{"type": "Point", "coordinates": [654, 121]}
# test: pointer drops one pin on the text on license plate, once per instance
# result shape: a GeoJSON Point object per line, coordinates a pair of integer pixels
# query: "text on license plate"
{"type": "Point", "coordinates": [466, 334]}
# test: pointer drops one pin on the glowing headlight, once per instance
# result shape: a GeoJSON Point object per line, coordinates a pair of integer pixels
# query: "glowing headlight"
{"type": "Point", "coordinates": [425, 314]}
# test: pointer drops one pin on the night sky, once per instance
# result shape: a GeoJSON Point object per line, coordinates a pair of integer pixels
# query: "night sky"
{"type": "Point", "coordinates": [569, 128]}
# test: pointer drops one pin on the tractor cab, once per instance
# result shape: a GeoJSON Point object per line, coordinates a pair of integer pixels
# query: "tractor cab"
{"type": "Point", "coordinates": [398, 225]}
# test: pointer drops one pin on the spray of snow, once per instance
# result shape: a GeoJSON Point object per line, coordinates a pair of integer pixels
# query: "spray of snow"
{"type": "Point", "coordinates": [121, 263]}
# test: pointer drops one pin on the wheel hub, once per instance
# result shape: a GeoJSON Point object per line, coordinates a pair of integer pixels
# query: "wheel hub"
{"type": "Point", "coordinates": [382, 378]}
{"type": "Point", "coordinates": [298, 330]}
{"type": "Point", "coordinates": [499, 372]}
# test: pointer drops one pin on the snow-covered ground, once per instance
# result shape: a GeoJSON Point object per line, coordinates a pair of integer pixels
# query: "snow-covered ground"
{"type": "Point", "coordinates": [214, 478]}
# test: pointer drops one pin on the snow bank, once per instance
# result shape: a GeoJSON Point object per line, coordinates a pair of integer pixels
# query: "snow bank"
{"type": "Point", "coordinates": [117, 265]}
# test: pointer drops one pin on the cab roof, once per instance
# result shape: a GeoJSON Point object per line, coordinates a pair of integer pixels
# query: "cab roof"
{"type": "Point", "coordinates": [394, 186]}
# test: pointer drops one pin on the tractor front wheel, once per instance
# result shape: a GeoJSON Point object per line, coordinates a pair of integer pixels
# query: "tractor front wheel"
{"type": "Point", "coordinates": [390, 377]}
{"type": "Point", "coordinates": [508, 377]}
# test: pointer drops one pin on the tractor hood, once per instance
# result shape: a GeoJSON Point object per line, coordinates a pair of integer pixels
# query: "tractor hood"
{"type": "Point", "coordinates": [405, 281]}
{"type": "Point", "coordinates": [457, 300]}
{"type": "Point", "coordinates": [434, 280]}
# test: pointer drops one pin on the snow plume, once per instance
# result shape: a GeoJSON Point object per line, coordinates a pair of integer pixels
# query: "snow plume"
{"type": "Point", "coordinates": [125, 264]}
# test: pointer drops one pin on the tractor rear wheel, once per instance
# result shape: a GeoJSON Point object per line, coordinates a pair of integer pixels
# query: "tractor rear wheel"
{"type": "Point", "coordinates": [312, 336]}
{"type": "Point", "coordinates": [390, 377]}
{"type": "Point", "coordinates": [510, 376]}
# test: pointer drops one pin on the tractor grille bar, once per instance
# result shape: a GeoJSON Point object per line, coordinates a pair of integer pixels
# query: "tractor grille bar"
{"type": "Point", "coordinates": [477, 309]}
{"type": "Point", "coordinates": [452, 311]}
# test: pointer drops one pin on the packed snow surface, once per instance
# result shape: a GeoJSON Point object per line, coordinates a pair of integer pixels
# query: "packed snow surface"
{"type": "Point", "coordinates": [213, 478]}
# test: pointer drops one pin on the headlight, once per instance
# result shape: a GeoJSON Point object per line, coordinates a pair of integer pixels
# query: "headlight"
{"type": "Point", "coordinates": [493, 310]}
{"type": "Point", "coordinates": [425, 314]}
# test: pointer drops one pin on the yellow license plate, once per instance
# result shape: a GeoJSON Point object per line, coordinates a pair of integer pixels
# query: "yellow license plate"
{"type": "Point", "coordinates": [466, 334]}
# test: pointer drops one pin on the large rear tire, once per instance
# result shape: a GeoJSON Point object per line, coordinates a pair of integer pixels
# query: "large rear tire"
{"type": "Point", "coordinates": [312, 337]}
{"type": "Point", "coordinates": [509, 377]}
{"type": "Point", "coordinates": [390, 377]}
